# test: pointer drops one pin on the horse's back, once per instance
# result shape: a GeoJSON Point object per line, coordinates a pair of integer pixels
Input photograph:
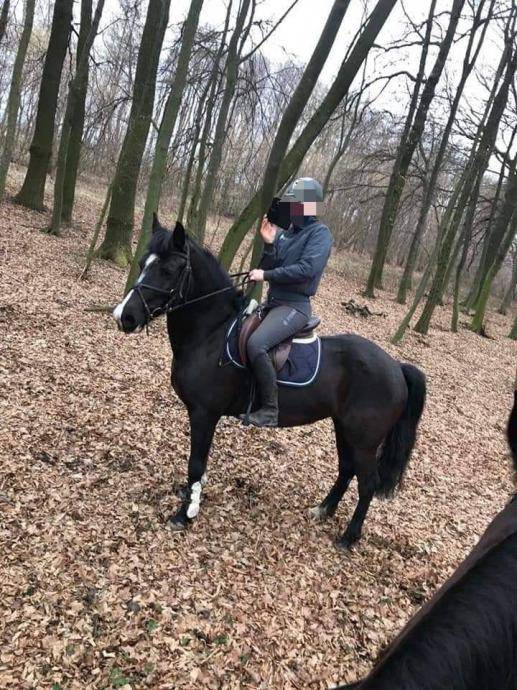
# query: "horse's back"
{"type": "Point", "coordinates": [366, 364]}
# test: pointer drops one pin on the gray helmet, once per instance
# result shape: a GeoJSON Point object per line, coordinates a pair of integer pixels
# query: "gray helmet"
{"type": "Point", "coordinates": [303, 189]}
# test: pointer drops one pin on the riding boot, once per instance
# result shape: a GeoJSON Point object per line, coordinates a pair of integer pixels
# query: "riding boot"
{"type": "Point", "coordinates": [265, 374]}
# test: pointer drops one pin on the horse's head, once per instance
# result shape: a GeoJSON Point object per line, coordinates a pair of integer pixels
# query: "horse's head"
{"type": "Point", "coordinates": [163, 280]}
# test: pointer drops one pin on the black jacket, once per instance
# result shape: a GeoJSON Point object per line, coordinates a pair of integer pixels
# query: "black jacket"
{"type": "Point", "coordinates": [294, 263]}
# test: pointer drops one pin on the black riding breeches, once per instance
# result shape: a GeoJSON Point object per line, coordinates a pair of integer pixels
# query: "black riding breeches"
{"type": "Point", "coordinates": [279, 324]}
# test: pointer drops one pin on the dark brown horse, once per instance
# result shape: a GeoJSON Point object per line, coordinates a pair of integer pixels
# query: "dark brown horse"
{"type": "Point", "coordinates": [465, 637]}
{"type": "Point", "coordinates": [374, 401]}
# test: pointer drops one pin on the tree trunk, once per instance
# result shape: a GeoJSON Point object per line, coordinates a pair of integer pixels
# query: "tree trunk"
{"type": "Point", "coordinates": [405, 155]}
{"type": "Point", "coordinates": [167, 124]}
{"type": "Point", "coordinates": [476, 166]}
{"type": "Point", "coordinates": [492, 239]}
{"type": "Point", "coordinates": [513, 332]}
{"type": "Point", "coordinates": [78, 114]}
{"type": "Point", "coordinates": [510, 293]}
{"type": "Point", "coordinates": [116, 246]}
{"type": "Point", "coordinates": [13, 103]}
{"type": "Point", "coordinates": [232, 71]}
{"type": "Point", "coordinates": [338, 90]}
{"type": "Point", "coordinates": [293, 112]}
{"type": "Point", "coordinates": [74, 95]}
{"type": "Point", "coordinates": [468, 64]}
{"type": "Point", "coordinates": [507, 219]}
{"type": "Point", "coordinates": [33, 189]}
{"type": "Point", "coordinates": [4, 14]}
{"type": "Point", "coordinates": [299, 99]}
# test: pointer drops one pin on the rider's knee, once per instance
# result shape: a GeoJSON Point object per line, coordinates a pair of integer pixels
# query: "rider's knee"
{"type": "Point", "coordinates": [255, 348]}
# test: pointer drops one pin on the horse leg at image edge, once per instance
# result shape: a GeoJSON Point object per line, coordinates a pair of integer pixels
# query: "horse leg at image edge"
{"type": "Point", "coordinates": [202, 428]}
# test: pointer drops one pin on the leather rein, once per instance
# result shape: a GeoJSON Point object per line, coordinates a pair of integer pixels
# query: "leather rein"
{"type": "Point", "coordinates": [182, 290]}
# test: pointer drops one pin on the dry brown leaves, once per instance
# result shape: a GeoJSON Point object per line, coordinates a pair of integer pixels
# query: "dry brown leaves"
{"type": "Point", "coordinates": [97, 593]}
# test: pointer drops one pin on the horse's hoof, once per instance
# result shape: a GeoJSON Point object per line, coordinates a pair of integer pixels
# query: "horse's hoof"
{"type": "Point", "coordinates": [345, 543]}
{"type": "Point", "coordinates": [177, 523]}
{"type": "Point", "coordinates": [317, 513]}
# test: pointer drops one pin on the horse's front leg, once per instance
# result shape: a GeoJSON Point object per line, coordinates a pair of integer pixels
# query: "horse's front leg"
{"type": "Point", "coordinates": [202, 427]}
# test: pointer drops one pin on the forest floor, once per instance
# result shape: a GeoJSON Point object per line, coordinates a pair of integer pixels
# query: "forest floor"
{"type": "Point", "coordinates": [98, 593]}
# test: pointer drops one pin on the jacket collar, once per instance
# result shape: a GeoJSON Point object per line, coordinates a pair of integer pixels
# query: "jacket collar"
{"type": "Point", "coordinates": [303, 223]}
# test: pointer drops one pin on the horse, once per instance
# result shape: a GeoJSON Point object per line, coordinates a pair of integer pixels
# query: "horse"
{"type": "Point", "coordinates": [375, 402]}
{"type": "Point", "coordinates": [465, 637]}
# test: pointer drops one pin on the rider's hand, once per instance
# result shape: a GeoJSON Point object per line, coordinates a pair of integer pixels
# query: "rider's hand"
{"type": "Point", "coordinates": [267, 231]}
{"type": "Point", "coordinates": [256, 275]}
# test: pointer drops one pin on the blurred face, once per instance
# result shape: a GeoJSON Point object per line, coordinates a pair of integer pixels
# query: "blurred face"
{"type": "Point", "coordinates": [300, 209]}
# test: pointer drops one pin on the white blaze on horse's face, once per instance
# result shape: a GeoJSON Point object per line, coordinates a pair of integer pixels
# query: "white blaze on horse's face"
{"type": "Point", "coordinates": [119, 309]}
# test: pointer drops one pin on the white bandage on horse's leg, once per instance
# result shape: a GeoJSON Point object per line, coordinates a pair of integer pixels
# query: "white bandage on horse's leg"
{"type": "Point", "coordinates": [204, 479]}
{"type": "Point", "coordinates": [195, 500]}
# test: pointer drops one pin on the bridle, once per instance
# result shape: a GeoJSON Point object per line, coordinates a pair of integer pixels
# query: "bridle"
{"type": "Point", "coordinates": [181, 291]}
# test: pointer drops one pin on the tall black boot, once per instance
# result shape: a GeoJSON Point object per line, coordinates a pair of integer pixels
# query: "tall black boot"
{"type": "Point", "coordinates": [265, 374]}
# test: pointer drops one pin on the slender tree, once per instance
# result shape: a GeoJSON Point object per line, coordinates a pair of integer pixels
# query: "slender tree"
{"type": "Point", "coordinates": [74, 96]}
{"type": "Point", "coordinates": [13, 102]}
{"type": "Point", "coordinates": [291, 162]}
{"type": "Point", "coordinates": [167, 125]}
{"type": "Point", "coordinates": [299, 99]}
{"type": "Point", "coordinates": [405, 154]}
{"type": "Point", "coordinates": [475, 167]}
{"type": "Point", "coordinates": [77, 116]}
{"type": "Point", "coordinates": [513, 332]}
{"type": "Point", "coordinates": [506, 218]}
{"type": "Point", "coordinates": [116, 246]}
{"type": "Point", "coordinates": [510, 293]}
{"type": "Point", "coordinates": [33, 189]}
{"type": "Point", "coordinates": [294, 110]}
{"type": "Point", "coordinates": [469, 60]}
{"type": "Point", "coordinates": [4, 14]}
{"type": "Point", "coordinates": [233, 60]}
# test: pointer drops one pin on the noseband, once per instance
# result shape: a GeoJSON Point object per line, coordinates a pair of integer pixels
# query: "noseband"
{"type": "Point", "coordinates": [181, 290]}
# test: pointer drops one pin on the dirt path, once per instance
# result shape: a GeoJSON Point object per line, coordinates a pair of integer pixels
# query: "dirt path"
{"type": "Point", "coordinates": [96, 591]}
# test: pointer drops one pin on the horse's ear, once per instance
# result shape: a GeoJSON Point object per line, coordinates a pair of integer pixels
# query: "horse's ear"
{"type": "Point", "coordinates": [179, 236]}
{"type": "Point", "coordinates": [156, 222]}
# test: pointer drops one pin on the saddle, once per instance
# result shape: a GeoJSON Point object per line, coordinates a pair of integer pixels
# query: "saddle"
{"type": "Point", "coordinates": [280, 353]}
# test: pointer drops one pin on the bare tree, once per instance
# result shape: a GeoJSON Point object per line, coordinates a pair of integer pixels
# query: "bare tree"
{"type": "Point", "coordinates": [33, 189]}
{"type": "Point", "coordinates": [116, 246]}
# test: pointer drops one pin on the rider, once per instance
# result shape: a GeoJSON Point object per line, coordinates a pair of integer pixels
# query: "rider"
{"type": "Point", "coordinates": [292, 263]}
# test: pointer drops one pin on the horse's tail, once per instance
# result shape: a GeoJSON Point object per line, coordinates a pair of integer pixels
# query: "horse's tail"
{"type": "Point", "coordinates": [399, 443]}
{"type": "Point", "coordinates": [512, 428]}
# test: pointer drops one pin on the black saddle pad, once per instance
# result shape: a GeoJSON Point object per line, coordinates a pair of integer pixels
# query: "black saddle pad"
{"type": "Point", "coordinates": [301, 367]}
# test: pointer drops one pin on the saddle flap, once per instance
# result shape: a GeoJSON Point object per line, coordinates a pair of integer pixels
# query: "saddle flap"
{"type": "Point", "coordinates": [248, 326]}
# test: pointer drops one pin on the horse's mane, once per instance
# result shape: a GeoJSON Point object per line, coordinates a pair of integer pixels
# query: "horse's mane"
{"type": "Point", "coordinates": [161, 243]}
{"type": "Point", "coordinates": [468, 640]}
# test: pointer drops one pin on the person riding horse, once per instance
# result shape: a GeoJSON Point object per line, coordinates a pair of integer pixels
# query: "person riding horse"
{"type": "Point", "coordinates": [292, 263]}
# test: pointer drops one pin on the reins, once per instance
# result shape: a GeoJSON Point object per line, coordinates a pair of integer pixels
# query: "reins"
{"type": "Point", "coordinates": [182, 291]}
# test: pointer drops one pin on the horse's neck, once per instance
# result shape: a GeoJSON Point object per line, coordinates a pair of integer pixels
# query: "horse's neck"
{"type": "Point", "coordinates": [190, 327]}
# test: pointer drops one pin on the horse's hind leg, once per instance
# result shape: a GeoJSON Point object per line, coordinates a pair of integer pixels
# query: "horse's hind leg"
{"type": "Point", "coordinates": [202, 428]}
{"type": "Point", "coordinates": [365, 465]}
{"type": "Point", "coordinates": [328, 506]}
